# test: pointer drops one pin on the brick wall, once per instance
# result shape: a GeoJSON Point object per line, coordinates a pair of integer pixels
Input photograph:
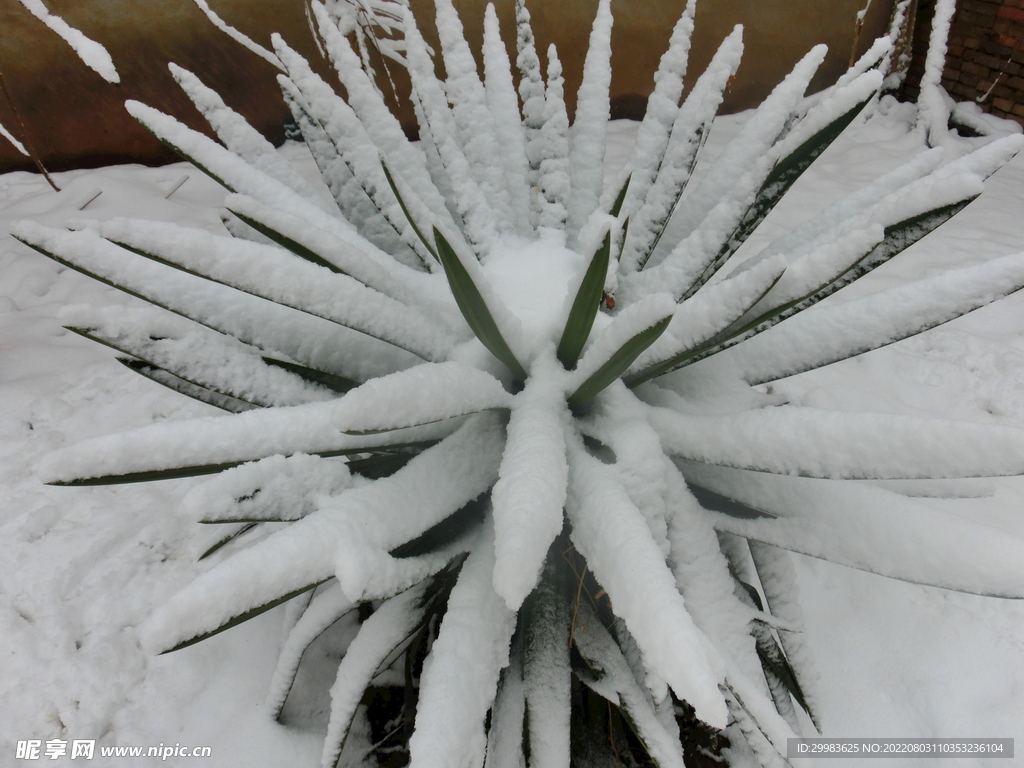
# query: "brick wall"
{"type": "Point", "coordinates": [985, 58]}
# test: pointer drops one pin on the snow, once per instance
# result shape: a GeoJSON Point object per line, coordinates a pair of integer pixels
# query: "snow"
{"type": "Point", "coordinates": [388, 627]}
{"type": "Point", "coordinates": [548, 673]}
{"type": "Point", "coordinates": [655, 129]}
{"type": "Point", "coordinates": [471, 200]}
{"type": "Point", "coordinates": [14, 142]}
{"type": "Point", "coordinates": [554, 177]}
{"type": "Point", "coordinates": [934, 114]}
{"type": "Point", "coordinates": [92, 54]}
{"type": "Point", "coordinates": [587, 147]}
{"type": "Point", "coordinates": [843, 445]}
{"type": "Point", "coordinates": [685, 141]}
{"type": "Point", "coordinates": [503, 104]}
{"type": "Point", "coordinates": [618, 685]}
{"type": "Point", "coordinates": [611, 533]}
{"type": "Point", "coordinates": [459, 685]}
{"type": "Point", "coordinates": [84, 567]}
{"type": "Point", "coordinates": [420, 395]}
{"type": "Point", "coordinates": [530, 493]}
{"type": "Point", "coordinates": [870, 529]}
{"type": "Point", "coordinates": [237, 36]}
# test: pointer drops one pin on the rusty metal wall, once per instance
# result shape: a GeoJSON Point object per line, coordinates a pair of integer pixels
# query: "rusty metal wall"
{"type": "Point", "coordinates": [73, 118]}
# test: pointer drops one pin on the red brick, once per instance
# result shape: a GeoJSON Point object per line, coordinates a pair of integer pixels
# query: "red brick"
{"type": "Point", "coordinates": [959, 89]}
{"type": "Point", "coordinates": [1016, 82]}
{"type": "Point", "coordinates": [973, 81]}
{"type": "Point", "coordinates": [1014, 14]}
{"type": "Point", "coordinates": [1004, 104]}
{"type": "Point", "coordinates": [973, 69]}
{"type": "Point", "coordinates": [972, 42]}
{"type": "Point", "coordinates": [990, 61]}
{"type": "Point", "coordinates": [993, 48]}
{"type": "Point", "coordinates": [1007, 41]}
{"type": "Point", "coordinates": [954, 51]}
{"type": "Point", "coordinates": [1018, 109]}
{"type": "Point", "coordinates": [950, 74]}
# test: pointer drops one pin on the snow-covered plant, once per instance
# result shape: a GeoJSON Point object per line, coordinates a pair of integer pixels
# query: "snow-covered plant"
{"type": "Point", "coordinates": [503, 418]}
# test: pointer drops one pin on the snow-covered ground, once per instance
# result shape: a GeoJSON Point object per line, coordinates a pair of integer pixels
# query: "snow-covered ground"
{"type": "Point", "coordinates": [82, 567]}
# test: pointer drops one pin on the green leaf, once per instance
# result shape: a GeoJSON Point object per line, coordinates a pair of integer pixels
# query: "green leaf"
{"type": "Point", "coordinates": [898, 237]}
{"type": "Point", "coordinates": [170, 378]}
{"type": "Point", "coordinates": [251, 519]}
{"type": "Point", "coordinates": [405, 210]}
{"type": "Point", "coordinates": [246, 285]}
{"type": "Point", "coordinates": [474, 308]}
{"type": "Point", "coordinates": [182, 311]}
{"type": "Point", "coordinates": [445, 532]}
{"type": "Point", "coordinates": [682, 358]}
{"type": "Point", "coordinates": [382, 464]}
{"type": "Point", "coordinates": [249, 525]}
{"type": "Point", "coordinates": [212, 469]}
{"type": "Point", "coordinates": [330, 380]}
{"type": "Point", "coordinates": [715, 502]}
{"type": "Point", "coordinates": [585, 306]}
{"type": "Point", "coordinates": [617, 364]}
{"type": "Point", "coordinates": [243, 617]}
{"type": "Point", "coordinates": [774, 662]}
{"type": "Point", "coordinates": [700, 136]}
{"type": "Point", "coordinates": [777, 183]}
{"type": "Point", "coordinates": [286, 242]}
{"type": "Point", "coordinates": [187, 388]}
{"type": "Point", "coordinates": [620, 198]}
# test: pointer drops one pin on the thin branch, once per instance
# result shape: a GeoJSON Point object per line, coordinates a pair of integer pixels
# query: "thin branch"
{"type": "Point", "coordinates": [24, 134]}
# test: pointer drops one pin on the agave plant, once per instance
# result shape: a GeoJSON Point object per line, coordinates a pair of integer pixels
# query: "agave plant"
{"type": "Point", "coordinates": [503, 418]}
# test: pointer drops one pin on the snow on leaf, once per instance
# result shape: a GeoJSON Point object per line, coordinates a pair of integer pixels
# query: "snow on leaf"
{"type": "Point", "coordinates": [460, 678]}
{"type": "Point", "coordinates": [240, 137]}
{"type": "Point", "coordinates": [274, 488]}
{"type": "Point", "coordinates": [613, 536]}
{"type": "Point", "coordinates": [652, 136]}
{"type": "Point", "coordinates": [870, 529]}
{"type": "Point", "coordinates": [689, 131]}
{"type": "Point", "coordinates": [474, 122]}
{"type": "Point", "coordinates": [615, 679]}
{"type": "Point", "coordinates": [271, 327]}
{"type": "Point", "coordinates": [504, 106]}
{"type": "Point", "coordinates": [267, 272]}
{"type": "Point", "coordinates": [530, 493]}
{"type": "Point", "coordinates": [386, 513]}
{"type": "Point", "coordinates": [757, 136]}
{"type": "Point", "coordinates": [472, 204]}
{"type": "Point", "coordinates": [212, 444]}
{"type": "Point", "coordinates": [710, 311]}
{"type": "Point", "coordinates": [237, 36]}
{"type": "Point", "coordinates": [377, 118]}
{"type": "Point", "coordinates": [92, 54]}
{"type": "Point", "coordinates": [547, 670]}
{"type": "Point", "coordinates": [195, 354]}
{"type": "Point", "coordinates": [586, 153]}
{"type": "Point", "coordinates": [419, 395]}
{"type": "Point", "coordinates": [810, 442]}
{"type": "Point", "coordinates": [824, 335]}
{"type": "Point", "coordinates": [390, 625]}
{"type": "Point", "coordinates": [327, 607]}
{"type": "Point", "coordinates": [553, 177]}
